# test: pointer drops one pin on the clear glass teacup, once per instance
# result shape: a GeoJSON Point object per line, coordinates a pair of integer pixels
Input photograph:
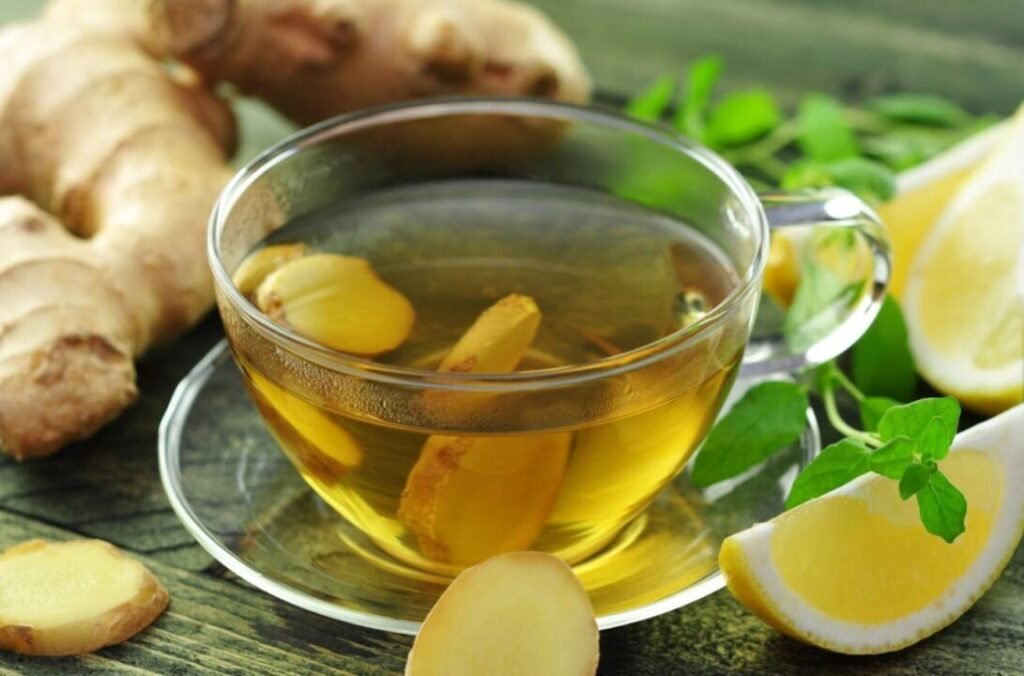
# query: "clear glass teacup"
{"type": "Point", "coordinates": [645, 255]}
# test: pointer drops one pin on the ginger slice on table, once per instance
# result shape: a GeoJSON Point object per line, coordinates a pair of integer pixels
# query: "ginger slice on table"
{"type": "Point", "coordinates": [518, 613]}
{"type": "Point", "coordinates": [337, 301]}
{"type": "Point", "coordinates": [69, 598]}
{"type": "Point", "coordinates": [469, 498]}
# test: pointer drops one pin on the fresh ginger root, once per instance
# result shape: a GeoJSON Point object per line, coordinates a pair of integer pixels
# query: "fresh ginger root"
{"type": "Point", "coordinates": [469, 498]}
{"type": "Point", "coordinates": [75, 597]}
{"type": "Point", "coordinates": [127, 163]}
{"type": "Point", "coordinates": [312, 59]}
{"type": "Point", "coordinates": [123, 164]}
{"type": "Point", "coordinates": [337, 301]}
{"type": "Point", "coordinates": [514, 614]}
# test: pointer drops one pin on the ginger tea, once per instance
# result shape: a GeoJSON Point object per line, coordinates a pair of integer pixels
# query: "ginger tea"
{"type": "Point", "coordinates": [502, 277]}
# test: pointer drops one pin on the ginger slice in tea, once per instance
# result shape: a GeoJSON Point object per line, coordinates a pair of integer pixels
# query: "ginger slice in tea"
{"type": "Point", "coordinates": [257, 266]}
{"type": "Point", "coordinates": [469, 498]}
{"type": "Point", "coordinates": [321, 447]}
{"type": "Point", "coordinates": [339, 302]}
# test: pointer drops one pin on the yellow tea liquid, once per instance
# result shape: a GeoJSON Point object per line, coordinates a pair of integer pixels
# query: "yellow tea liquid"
{"type": "Point", "coordinates": [608, 277]}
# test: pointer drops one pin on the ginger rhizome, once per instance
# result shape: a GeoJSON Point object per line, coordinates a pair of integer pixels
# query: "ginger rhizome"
{"type": "Point", "coordinates": [518, 613]}
{"type": "Point", "coordinates": [122, 165]}
{"type": "Point", "coordinates": [69, 598]}
{"type": "Point", "coordinates": [312, 59]}
{"type": "Point", "coordinates": [121, 162]}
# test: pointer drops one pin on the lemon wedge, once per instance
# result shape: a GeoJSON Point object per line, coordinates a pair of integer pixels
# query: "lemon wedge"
{"type": "Point", "coordinates": [855, 572]}
{"type": "Point", "coordinates": [922, 193]}
{"type": "Point", "coordinates": [964, 298]}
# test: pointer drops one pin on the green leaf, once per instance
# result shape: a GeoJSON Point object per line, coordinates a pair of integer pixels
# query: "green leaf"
{"type": "Point", "coordinates": [881, 364]}
{"type": "Point", "coordinates": [700, 83]}
{"type": "Point", "coordinates": [651, 103]}
{"type": "Point", "coordinates": [741, 117]}
{"type": "Point", "coordinates": [893, 458]}
{"type": "Point", "coordinates": [920, 109]}
{"type": "Point", "coordinates": [870, 179]}
{"type": "Point", "coordinates": [913, 480]}
{"type": "Point", "coordinates": [934, 442]}
{"type": "Point", "coordinates": [807, 320]}
{"type": "Point", "coordinates": [910, 420]}
{"type": "Point", "coordinates": [768, 417]}
{"type": "Point", "coordinates": [872, 409]}
{"type": "Point", "coordinates": [835, 466]}
{"type": "Point", "coordinates": [942, 506]}
{"type": "Point", "coordinates": [824, 134]}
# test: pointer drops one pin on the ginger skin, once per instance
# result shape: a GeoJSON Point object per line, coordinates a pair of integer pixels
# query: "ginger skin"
{"type": "Point", "coordinates": [123, 163]}
{"type": "Point", "coordinates": [127, 163]}
{"type": "Point", "coordinates": [312, 59]}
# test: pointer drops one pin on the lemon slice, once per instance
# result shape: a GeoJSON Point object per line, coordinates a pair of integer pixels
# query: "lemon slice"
{"type": "Point", "coordinates": [855, 572]}
{"type": "Point", "coordinates": [964, 299]}
{"type": "Point", "coordinates": [922, 194]}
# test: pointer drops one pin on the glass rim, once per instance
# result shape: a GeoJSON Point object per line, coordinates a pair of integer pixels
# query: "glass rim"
{"type": "Point", "coordinates": [594, 114]}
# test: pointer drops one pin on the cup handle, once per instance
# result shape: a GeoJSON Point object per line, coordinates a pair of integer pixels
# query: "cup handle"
{"type": "Point", "coordinates": [833, 209]}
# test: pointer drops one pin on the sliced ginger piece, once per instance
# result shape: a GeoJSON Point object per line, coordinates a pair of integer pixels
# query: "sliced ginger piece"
{"type": "Point", "coordinates": [469, 498]}
{"type": "Point", "coordinates": [514, 614]}
{"type": "Point", "coordinates": [498, 339]}
{"type": "Point", "coordinates": [255, 268]}
{"type": "Point", "coordinates": [69, 598]}
{"type": "Point", "coordinates": [339, 302]}
{"type": "Point", "coordinates": [324, 448]}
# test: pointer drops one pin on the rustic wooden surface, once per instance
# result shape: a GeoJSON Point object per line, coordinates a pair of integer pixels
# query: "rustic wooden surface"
{"type": "Point", "coordinates": [108, 487]}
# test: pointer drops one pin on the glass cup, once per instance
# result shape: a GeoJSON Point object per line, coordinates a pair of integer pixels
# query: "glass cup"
{"type": "Point", "coordinates": [559, 459]}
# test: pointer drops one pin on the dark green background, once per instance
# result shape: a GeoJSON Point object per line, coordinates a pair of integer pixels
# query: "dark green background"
{"type": "Point", "coordinates": [108, 487]}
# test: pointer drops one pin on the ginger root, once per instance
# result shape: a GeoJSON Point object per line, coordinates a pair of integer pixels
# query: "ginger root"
{"type": "Point", "coordinates": [518, 613]}
{"type": "Point", "coordinates": [76, 597]}
{"type": "Point", "coordinates": [337, 301]}
{"type": "Point", "coordinates": [312, 59]}
{"type": "Point", "coordinates": [123, 161]}
{"type": "Point", "coordinates": [130, 162]}
{"type": "Point", "coordinates": [255, 268]}
{"type": "Point", "coordinates": [469, 498]}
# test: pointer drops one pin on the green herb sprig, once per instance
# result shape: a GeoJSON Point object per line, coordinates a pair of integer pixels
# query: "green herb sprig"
{"type": "Point", "coordinates": [826, 143]}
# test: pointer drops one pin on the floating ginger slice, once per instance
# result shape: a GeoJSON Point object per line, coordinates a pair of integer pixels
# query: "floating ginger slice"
{"type": "Point", "coordinates": [518, 613]}
{"type": "Point", "coordinates": [469, 498]}
{"type": "Point", "coordinates": [255, 268]}
{"type": "Point", "coordinates": [321, 446]}
{"type": "Point", "coordinates": [337, 301]}
{"type": "Point", "coordinates": [69, 598]}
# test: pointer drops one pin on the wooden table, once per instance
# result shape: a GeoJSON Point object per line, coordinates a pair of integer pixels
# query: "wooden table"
{"type": "Point", "coordinates": [108, 487]}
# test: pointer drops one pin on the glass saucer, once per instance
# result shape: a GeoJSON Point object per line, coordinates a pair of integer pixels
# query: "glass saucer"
{"type": "Point", "coordinates": [247, 506]}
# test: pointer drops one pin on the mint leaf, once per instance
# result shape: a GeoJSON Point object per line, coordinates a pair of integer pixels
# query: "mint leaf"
{"type": "Point", "coordinates": [913, 480]}
{"type": "Point", "coordinates": [741, 117]}
{"type": "Point", "coordinates": [893, 458]}
{"type": "Point", "coordinates": [881, 363]}
{"type": "Point", "coordinates": [872, 409]}
{"type": "Point", "coordinates": [700, 83]}
{"type": "Point", "coordinates": [942, 506]}
{"type": "Point", "coordinates": [870, 179]}
{"type": "Point", "coordinates": [910, 420]}
{"type": "Point", "coordinates": [651, 103]}
{"type": "Point", "coordinates": [935, 440]}
{"type": "Point", "coordinates": [835, 466]}
{"type": "Point", "coordinates": [768, 416]}
{"type": "Point", "coordinates": [807, 320]}
{"type": "Point", "coordinates": [824, 134]}
{"type": "Point", "coordinates": [919, 109]}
